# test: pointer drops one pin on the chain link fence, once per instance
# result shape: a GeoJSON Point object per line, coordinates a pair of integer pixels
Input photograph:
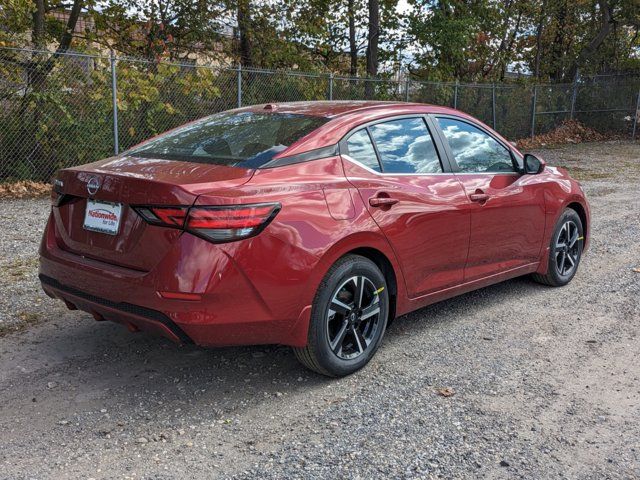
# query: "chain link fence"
{"type": "Point", "coordinates": [62, 110]}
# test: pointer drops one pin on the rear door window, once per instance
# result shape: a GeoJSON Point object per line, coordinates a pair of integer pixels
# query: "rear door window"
{"type": "Point", "coordinates": [245, 139]}
{"type": "Point", "coordinates": [361, 149]}
{"type": "Point", "coordinates": [405, 146]}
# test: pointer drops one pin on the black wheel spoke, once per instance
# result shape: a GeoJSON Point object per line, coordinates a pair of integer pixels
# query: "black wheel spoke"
{"type": "Point", "coordinates": [573, 238]}
{"type": "Point", "coordinates": [359, 339]}
{"type": "Point", "coordinates": [366, 340]}
{"type": "Point", "coordinates": [336, 344]}
{"type": "Point", "coordinates": [339, 307]}
{"type": "Point", "coordinates": [359, 281]}
{"type": "Point", "coordinates": [370, 311]}
{"type": "Point", "coordinates": [563, 259]}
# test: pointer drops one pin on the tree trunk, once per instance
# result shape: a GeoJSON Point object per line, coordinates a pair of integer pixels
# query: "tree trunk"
{"type": "Point", "coordinates": [38, 70]}
{"type": "Point", "coordinates": [372, 46]}
{"type": "Point", "coordinates": [509, 48]}
{"type": "Point", "coordinates": [353, 48]}
{"type": "Point", "coordinates": [244, 28]}
{"type": "Point", "coordinates": [589, 49]}
{"type": "Point", "coordinates": [539, 30]}
{"type": "Point", "coordinates": [498, 59]}
{"type": "Point", "coordinates": [67, 36]}
{"type": "Point", "coordinates": [557, 48]}
{"type": "Point", "coordinates": [37, 35]}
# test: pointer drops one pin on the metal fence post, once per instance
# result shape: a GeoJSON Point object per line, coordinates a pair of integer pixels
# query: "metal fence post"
{"type": "Point", "coordinates": [330, 85]}
{"type": "Point", "coordinates": [239, 82]}
{"type": "Point", "coordinates": [455, 95]}
{"type": "Point", "coordinates": [574, 94]}
{"type": "Point", "coordinates": [534, 100]}
{"type": "Point", "coordinates": [493, 104]}
{"type": "Point", "coordinates": [114, 101]}
{"type": "Point", "coordinates": [635, 118]}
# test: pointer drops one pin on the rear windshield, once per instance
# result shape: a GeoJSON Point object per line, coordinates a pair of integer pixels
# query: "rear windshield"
{"type": "Point", "coordinates": [245, 139]}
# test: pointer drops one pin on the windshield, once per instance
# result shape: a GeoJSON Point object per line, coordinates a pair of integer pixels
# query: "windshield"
{"type": "Point", "coordinates": [245, 139]}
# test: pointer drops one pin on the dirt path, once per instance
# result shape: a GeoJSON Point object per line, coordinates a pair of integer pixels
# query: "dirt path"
{"type": "Point", "coordinates": [546, 381]}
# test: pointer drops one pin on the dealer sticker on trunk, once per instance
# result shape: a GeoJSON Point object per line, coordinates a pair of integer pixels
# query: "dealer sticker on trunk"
{"type": "Point", "coordinates": [103, 217]}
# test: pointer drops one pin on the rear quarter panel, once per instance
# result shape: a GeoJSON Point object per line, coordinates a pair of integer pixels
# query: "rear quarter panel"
{"type": "Point", "coordinates": [322, 218]}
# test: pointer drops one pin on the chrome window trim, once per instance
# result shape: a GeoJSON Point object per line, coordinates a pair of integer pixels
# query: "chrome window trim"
{"type": "Point", "coordinates": [488, 173]}
{"type": "Point", "coordinates": [382, 174]}
{"type": "Point", "coordinates": [370, 170]}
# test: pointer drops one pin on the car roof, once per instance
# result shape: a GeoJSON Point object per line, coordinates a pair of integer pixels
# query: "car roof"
{"type": "Point", "coordinates": [336, 108]}
{"type": "Point", "coordinates": [345, 116]}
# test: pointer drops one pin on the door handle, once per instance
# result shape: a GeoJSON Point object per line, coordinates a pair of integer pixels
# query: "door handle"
{"type": "Point", "coordinates": [382, 201]}
{"type": "Point", "coordinates": [479, 197]}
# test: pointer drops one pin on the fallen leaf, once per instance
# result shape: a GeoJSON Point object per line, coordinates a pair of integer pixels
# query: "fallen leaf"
{"type": "Point", "coordinates": [446, 392]}
{"type": "Point", "coordinates": [569, 131]}
{"type": "Point", "coordinates": [24, 189]}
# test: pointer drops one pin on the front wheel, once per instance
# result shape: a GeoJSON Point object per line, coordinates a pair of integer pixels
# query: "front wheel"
{"type": "Point", "coordinates": [348, 318]}
{"type": "Point", "coordinates": [565, 250]}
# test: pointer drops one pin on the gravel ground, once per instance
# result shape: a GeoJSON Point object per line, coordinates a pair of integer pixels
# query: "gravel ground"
{"type": "Point", "coordinates": [546, 381]}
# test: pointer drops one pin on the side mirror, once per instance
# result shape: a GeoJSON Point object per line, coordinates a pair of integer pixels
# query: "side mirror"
{"type": "Point", "coordinates": [532, 164]}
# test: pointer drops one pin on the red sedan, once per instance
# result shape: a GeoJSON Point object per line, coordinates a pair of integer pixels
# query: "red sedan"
{"type": "Point", "coordinates": [306, 224]}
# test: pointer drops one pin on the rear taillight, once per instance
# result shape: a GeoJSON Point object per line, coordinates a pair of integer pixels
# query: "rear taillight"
{"type": "Point", "coordinates": [218, 224]}
{"type": "Point", "coordinates": [225, 224]}
{"type": "Point", "coordinates": [164, 216]}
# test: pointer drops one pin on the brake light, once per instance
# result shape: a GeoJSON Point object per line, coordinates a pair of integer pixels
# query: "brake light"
{"type": "Point", "coordinates": [229, 223]}
{"type": "Point", "coordinates": [164, 216]}
{"type": "Point", "coordinates": [218, 224]}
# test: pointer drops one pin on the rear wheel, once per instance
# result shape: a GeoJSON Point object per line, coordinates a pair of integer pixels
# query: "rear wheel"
{"type": "Point", "coordinates": [565, 251]}
{"type": "Point", "coordinates": [348, 318]}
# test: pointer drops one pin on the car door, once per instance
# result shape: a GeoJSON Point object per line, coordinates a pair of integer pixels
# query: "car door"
{"type": "Point", "coordinates": [414, 198]}
{"type": "Point", "coordinates": [507, 207]}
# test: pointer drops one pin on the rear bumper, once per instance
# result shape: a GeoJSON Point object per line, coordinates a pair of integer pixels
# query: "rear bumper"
{"type": "Point", "coordinates": [132, 316]}
{"type": "Point", "coordinates": [233, 308]}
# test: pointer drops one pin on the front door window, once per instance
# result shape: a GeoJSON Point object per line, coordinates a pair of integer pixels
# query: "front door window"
{"type": "Point", "coordinates": [474, 150]}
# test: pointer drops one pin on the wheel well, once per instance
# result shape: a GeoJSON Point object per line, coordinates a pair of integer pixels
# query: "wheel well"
{"type": "Point", "coordinates": [383, 263]}
{"type": "Point", "coordinates": [581, 213]}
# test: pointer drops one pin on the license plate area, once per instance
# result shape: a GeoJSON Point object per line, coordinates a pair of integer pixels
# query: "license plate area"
{"type": "Point", "coordinates": [102, 217]}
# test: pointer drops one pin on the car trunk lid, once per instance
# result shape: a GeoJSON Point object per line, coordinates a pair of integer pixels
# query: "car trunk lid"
{"type": "Point", "coordinates": [132, 181]}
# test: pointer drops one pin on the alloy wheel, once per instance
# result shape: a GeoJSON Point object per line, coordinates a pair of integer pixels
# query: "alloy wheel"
{"type": "Point", "coordinates": [567, 248]}
{"type": "Point", "coordinates": [353, 317]}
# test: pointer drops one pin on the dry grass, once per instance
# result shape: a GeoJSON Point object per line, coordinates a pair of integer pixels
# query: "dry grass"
{"type": "Point", "coordinates": [580, 173]}
{"type": "Point", "coordinates": [27, 319]}
{"type": "Point", "coordinates": [18, 269]}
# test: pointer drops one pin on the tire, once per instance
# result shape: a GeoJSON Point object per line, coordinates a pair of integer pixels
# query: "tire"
{"type": "Point", "coordinates": [329, 350]}
{"type": "Point", "coordinates": [558, 274]}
